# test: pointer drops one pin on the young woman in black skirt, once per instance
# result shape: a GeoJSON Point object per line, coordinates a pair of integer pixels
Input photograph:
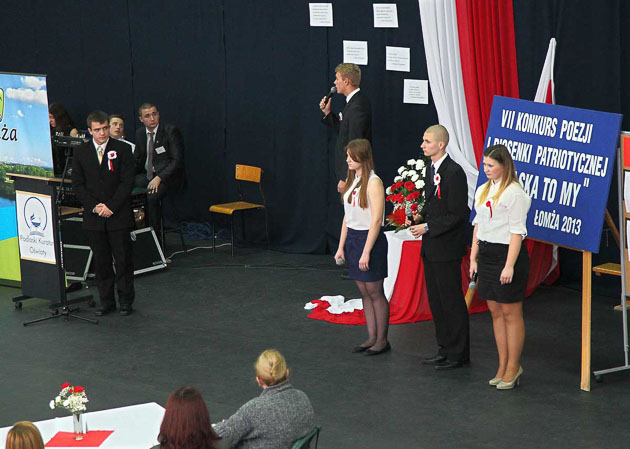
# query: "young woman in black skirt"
{"type": "Point", "coordinates": [500, 259]}
{"type": "Point", "coordinates": [362, 243]}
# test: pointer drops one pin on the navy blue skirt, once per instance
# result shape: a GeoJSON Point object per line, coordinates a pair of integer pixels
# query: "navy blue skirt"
{"type": "Point", "coordinates": [355, 242]}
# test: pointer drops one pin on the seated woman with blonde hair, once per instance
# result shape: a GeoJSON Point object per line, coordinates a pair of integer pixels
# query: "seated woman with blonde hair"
{"type": "Point", "coordinates": [276, 418]}
{"type": "Point", "coordinates": [24, 435]}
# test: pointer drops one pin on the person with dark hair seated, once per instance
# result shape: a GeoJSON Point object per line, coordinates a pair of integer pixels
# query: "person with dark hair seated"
{"type": "Point", "coordinates": [276, 418]}
{"type": "Point", "coordinates": [24, 435]}
{"type": "Point", "coordinates": [60, 121]}
{"type": "Point", "coordinates": [186, 423]}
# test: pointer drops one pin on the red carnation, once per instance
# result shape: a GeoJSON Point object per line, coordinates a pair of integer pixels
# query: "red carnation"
{"type": "Point", "coordinates": [410, 196]}
{"type": "Point", "coordinates": [414, 207]}
{"type": "Point", "coordinates": [66, 385]}
{"type": "Point", "coordinates": [78, 389]}
{"type": "Point", "coordinates": [409, 185]}
{"type": "Point", "coordinates": [415, 194]}
{"type": "Point", "coordinates": [399, 184]}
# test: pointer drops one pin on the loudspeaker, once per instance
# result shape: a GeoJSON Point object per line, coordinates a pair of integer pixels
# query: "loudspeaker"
{"type": "Point", "coordinates": [147, 253]}
{"type": "Point", "coordinates": [76, 261]}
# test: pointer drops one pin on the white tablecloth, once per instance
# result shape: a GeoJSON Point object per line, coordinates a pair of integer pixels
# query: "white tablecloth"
{"type": "Point", "coordinates": [135, 427]}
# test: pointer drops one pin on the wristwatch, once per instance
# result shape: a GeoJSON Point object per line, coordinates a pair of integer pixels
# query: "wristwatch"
{"type": "Point", "coordinates": [426, 228]}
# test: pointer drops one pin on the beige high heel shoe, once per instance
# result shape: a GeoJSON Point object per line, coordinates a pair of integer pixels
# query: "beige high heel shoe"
{"type": "Point", "coordinates": [515, 382]}
{"type": "Point", "coordinates": [495, 381]}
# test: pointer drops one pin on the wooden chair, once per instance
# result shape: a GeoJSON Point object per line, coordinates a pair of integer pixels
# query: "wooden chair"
{"type": "Point", "coordinates": [246, 173]}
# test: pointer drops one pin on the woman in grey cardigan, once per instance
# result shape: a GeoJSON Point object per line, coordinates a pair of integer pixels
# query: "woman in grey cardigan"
{"type": "Point", "coordinates": [276, 418]}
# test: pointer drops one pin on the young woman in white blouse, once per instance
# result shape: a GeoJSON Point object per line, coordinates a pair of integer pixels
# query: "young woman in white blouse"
{"type": "Point", "coordinates": [362, 243]}
{"type": "Point", "coordinates": [500, 259]}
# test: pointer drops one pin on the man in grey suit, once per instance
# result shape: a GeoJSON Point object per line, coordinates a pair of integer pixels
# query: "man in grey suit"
{"type": "Point", "coordinates": [355, 122]}
{"type": "Point", "coordinates": [159, 156]}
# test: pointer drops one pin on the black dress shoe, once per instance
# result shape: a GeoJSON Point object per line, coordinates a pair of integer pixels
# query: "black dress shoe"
{"type": "Point", "coordinates": [434, 360]}
{"type": "Point", "coordinates": [104, 310]}
{"type": "Point", "coordinates": [385, 348]}
{"type": "Point", "coordinates": [360, 348]}
{"type": "Point", "coordinates": [124, 311]}
{"type": "Point", "coordinates": [448, 364]}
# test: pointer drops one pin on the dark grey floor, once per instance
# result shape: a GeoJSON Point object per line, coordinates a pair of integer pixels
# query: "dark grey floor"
{"type": "Point", "coordinates": [204, 320]}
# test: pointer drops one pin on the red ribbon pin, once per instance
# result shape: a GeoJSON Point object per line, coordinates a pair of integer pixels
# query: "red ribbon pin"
{"type": "Point", "coordinates": [489, 205]}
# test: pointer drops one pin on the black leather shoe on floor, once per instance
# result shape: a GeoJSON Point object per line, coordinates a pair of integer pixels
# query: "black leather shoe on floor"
{"type": "Point", "coordinates": [434, 360]}
{"type": "Point", "coordinates": [360, 348]}
{"type": "Point", "coordinates": [385, 348]}
{"type": "Point", "coordinates": [448, 364]}
{"type": "Point", "coordinates": [104, 310]}
{"type": "Point", "coordinates": [124, 311]}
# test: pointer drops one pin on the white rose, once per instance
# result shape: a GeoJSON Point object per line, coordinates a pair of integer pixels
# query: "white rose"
{"type": "Point", "coordinates": [401, 169]}
{"type": "Point", "coordinates": [52, 405]}
{"type": "Point", "coordinates": [388, 191]}
{"type": "Point", "coordinates": [398, 178]}
{"type": "Point", "coordinates": [415, 177]}
{"type": "Point", "coordinates": [411, 162]}
{"type": "Point", "coordinates": [419, 184]}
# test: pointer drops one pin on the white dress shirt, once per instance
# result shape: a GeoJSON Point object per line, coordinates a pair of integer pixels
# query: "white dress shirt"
{"type": "Point", "coordinates": [498, 219]}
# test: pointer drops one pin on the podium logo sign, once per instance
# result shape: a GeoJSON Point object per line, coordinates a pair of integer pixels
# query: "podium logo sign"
{"type": "Point", "coordinates": [35, 230]}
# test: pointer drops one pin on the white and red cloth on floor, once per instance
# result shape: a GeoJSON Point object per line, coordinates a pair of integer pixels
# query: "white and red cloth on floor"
{"type": "Point", "coordinates": [471, 56]}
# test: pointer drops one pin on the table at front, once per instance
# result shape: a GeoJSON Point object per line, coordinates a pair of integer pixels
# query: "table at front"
{"type": "Point", "coordinates": [135, 427]}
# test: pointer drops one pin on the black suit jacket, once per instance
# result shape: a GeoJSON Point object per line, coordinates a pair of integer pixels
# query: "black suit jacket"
{"type": "Point", "coordinates": [356, 123]}
{"type": "Point", "coordinates": [94, 184]}
{"type": "Point", "coordinates": [447, 216]}
{"type": "Point", "coordinates": [169, 165]}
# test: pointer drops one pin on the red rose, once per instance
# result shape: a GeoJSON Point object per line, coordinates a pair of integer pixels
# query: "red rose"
{"type": "Point", "coordinates": [66, 385]}
{"type": "Point", "coordinates": [410, 185]}
{"type": "Point", "coordinates": [78, 389]}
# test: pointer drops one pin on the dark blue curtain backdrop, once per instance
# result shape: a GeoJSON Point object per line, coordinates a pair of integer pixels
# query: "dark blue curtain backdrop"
{"type": "Point", "coordinates": [243, 78]}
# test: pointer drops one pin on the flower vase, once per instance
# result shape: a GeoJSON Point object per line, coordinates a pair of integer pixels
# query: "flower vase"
{"type": "Point", "coordinates": [78, 425]}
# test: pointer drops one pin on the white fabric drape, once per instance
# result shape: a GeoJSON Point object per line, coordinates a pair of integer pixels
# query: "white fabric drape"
{"type": "Point", "coordinates": [441, 46]}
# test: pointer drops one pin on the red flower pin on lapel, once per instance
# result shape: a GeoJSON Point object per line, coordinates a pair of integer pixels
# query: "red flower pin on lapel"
{"type": "Point", "coordinates": [111, 155]}
{"type": "Point", "coordinates": [436, 181]}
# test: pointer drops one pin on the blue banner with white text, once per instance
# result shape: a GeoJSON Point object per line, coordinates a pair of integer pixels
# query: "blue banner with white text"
{"type": "Point", "coordinates": [564, 159]}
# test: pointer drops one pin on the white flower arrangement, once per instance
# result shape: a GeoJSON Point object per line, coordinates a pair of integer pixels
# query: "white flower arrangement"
{"type": "Point", "coordinates": [70, 398]}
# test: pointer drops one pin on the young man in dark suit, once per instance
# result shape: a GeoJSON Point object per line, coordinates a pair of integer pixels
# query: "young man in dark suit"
{"type": "Point", "coordinates": [102, 177]}
{"type": "Point", "coordinates": [159, 156]}
{"type": "Point", "coordinates": [444, 237]}
{"type": "Point", "coordinates": [355, 122]}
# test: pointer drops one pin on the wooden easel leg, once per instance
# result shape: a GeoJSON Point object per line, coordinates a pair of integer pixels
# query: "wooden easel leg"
{"type": "Point", "coordinates": [587, 262]}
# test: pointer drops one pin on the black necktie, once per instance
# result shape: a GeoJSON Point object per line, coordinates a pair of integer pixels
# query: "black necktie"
{"type": "Point", "coordinates": [150, 157]}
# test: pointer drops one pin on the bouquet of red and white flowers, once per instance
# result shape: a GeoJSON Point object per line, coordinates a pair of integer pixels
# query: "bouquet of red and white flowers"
{"type": "Point", "coordinates": [406, 193]}
{"type": "Point", "coordinates": [70, 398]}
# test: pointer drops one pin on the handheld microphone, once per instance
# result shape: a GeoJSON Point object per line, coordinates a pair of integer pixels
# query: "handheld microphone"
{"type": "Point", "coordinates": [340, 261]}
{"type": "Point", "coordinates": [473, 282]}
{"type": "Point", "coordinates": [333, 91]}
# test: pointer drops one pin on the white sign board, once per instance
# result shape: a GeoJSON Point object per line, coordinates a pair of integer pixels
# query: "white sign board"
{"type": "Point", "coordinates": [397, 59]}
{"type": "Point", "coordinates": [355, 52]}
{"type": "Point", "coordinates": [35, 227]}
{"type": "Point", "coordinates": [385, 15]}
{"type": "Point", "coordinates": [321, 14]}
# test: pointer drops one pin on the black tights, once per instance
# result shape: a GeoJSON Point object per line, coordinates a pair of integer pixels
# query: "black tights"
{"type": "Point", "coordinates": [376, 310]}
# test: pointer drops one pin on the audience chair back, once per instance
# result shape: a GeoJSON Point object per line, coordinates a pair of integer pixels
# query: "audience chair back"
{"type": "Point", "coordinates": [247, 173]}
{"type": "Point", "coordinates": [305, 441]}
